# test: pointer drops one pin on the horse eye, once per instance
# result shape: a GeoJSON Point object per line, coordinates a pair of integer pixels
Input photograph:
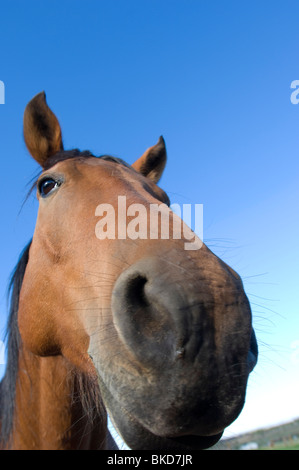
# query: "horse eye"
{"type": "Point", "coordinates": [46, 186]}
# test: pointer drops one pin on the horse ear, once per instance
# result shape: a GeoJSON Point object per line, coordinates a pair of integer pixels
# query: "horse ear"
{"type": "Point", "coordinates": [152, 163]}
{"type": "Point", "coordinates": [42, 131]}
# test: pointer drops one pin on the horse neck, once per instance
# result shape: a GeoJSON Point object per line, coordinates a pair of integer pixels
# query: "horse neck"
{"type": "Point", "coordinates": [48, 411]}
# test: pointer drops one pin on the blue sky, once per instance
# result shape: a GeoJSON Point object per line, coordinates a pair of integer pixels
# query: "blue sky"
{"type": "Point", "coordinates": [214, 79]}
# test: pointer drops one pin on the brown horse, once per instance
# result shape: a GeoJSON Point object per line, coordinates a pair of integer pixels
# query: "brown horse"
{"type": "Point", "coordinates": [158, 336]}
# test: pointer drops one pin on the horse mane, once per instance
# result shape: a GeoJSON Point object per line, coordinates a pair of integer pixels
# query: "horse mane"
{"type": "Point", "coordinates": [76, 153]}
{"type": "Point", "coordinates": [65, 155]}
{"type": "Point", "coordinates": [8, 383]}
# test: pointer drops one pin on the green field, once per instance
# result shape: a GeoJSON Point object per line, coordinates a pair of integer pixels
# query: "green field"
{"type": "Point", "coordinates": [282, 437]}
{"type": "Point", "coordinates": [292, 445]}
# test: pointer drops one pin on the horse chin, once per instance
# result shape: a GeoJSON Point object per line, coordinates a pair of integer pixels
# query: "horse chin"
{"type": "Point", "coordinates": [139, 438]}
{"type": "Point", "coordinates": [177, 444]}
{"type": "Point", "coordinates": [195, 442]}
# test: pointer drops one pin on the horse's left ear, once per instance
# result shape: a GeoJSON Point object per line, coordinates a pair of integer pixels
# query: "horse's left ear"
{"type": "Point", "coordinates": [152, 163]}
{"type": "Point", "coordinates": [42, 131]}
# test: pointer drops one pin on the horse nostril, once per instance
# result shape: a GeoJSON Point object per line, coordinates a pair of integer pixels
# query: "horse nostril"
{"type": "Point", "coordinates": [136, 296]}
{"type": "Point", "coordinates": [141, 315]}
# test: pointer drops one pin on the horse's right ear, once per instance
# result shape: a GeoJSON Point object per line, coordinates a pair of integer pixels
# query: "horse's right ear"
{"type": "Point", "coordinates": [42, 131]}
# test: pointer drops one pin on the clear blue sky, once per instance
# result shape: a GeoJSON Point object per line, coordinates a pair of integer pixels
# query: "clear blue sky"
{"type": "Point", "coordinates": [213, 78]}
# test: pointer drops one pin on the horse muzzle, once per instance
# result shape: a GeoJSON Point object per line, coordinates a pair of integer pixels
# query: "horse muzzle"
{"type": "Point", "coordinates": [195, 348]}
{"type": "Point", "coordinates": [163, 320]}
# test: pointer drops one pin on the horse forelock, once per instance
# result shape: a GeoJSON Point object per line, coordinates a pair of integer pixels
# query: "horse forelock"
{"type": "Point", "coordinates": [66, 155]}
{"type": "Point", "coordinates": [76, 153]}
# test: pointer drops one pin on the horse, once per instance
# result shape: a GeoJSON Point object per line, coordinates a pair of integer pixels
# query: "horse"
{"type": "Point", "coordinates": [140, 329]}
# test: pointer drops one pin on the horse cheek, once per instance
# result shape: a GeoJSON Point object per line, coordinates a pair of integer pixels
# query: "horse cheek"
{"type": "Point", "coordinates": [36, 326]}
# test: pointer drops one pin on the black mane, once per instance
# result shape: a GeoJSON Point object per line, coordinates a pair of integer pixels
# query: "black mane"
{"type": "Point", "coordinates": [75, 153]}
{"type": "Point", "coordinates": [8, 383]}
{"type": "Point", "coordinates": [65, 155]}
